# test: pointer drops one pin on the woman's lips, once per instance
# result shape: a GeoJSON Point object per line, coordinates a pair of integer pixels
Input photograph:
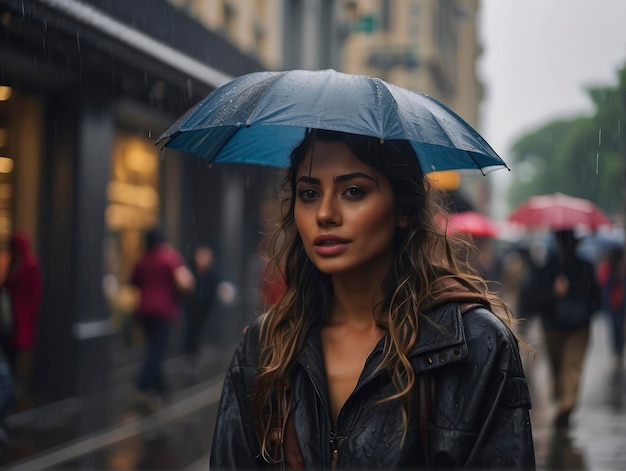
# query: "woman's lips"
{"type": "Point", "coordinates": [330, 245]}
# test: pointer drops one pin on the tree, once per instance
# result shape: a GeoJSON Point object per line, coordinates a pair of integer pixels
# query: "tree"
{"type": "Point", "coordinates": [584, 156]}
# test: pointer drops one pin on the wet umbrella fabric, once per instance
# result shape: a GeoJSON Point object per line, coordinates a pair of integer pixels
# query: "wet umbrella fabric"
{"type": "Point", "coordinates": [557, 212]}
{"type": "Point", "coordinates": [260, 117]}
{"type": "Point", "coordinates": [472, 223]}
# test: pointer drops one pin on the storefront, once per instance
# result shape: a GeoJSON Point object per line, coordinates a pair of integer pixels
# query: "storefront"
{"type": "Point", "coordinates": [89, 86]}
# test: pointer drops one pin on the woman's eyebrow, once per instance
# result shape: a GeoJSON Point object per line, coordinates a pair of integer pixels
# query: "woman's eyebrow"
{"type": "Point", "coordinates": [307, 179]}
{"type": "Point", "coordinates": [337, 179]}
{"type": "Point", "coordinates": [350, 176]}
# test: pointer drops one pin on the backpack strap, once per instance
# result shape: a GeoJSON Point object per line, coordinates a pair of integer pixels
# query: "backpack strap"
{"type": "Point", "coordinates": [282, 434]}
{"type": "Point", "coordinates": [464, 307]}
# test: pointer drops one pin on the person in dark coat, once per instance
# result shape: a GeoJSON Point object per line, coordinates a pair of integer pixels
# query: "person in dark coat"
{"type": "Point", "coordinates": [200, 302]}
{"type": "Point", "coordinates": [568, 294]}
{"type": "Point", "coordinates": [384, 350]}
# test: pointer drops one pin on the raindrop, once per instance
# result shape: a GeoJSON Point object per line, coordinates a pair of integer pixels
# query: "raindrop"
{"type": "Point", "coordinates": [599, 137]}
{"type": "Point", "coordinates": [150, 133]}
{"type": "Point", "coordinates": [597, 162]}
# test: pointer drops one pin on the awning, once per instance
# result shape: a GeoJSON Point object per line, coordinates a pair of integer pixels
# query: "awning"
{"type": "Point", "coordinates": [115, 29]}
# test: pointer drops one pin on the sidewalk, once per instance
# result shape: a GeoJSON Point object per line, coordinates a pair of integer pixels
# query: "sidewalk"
{"type": "Point", "coordinates": [596, 438]}
{"type": "Point", "coordinates": [87, 432]}
{"type": "Point", "coordinates": [178, 437]}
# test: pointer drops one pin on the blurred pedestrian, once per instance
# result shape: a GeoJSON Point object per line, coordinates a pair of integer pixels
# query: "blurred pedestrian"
{"type": "Point", "coordinates": [485, 261]}
{"type": "Point", "coordinates": [532, 259]}
{"type": "Point", "coordinates": [201, 301]}
{"type": "Point", "coordinates": [163, 279]}
{"type": "Point", "coordinates": [612, 276]}
{"type": "Point", "coordinates": [23, 287]}
{"type": "Point", "coordinates": [568, 294]}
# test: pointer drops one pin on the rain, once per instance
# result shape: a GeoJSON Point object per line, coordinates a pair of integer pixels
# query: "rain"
{"type": "Point", "coordinates": [94, 154]}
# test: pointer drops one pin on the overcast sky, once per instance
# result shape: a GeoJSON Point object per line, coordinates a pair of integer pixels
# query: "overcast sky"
{"type": "Point", "coordinates": [539, 55]}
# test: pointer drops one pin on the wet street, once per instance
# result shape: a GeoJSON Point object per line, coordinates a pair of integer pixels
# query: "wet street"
{"type": "Point", "coordinates": [178, 436]}
{"type": "Point", "coordinates": [596, 439]}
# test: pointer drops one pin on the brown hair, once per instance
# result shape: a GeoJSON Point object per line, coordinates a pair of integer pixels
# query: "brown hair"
{"type": "Point", "coordinates": [422, 255]}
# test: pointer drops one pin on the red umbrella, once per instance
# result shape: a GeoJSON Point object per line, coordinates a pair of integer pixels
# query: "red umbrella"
{"type": "Point", "coordinates": [472, 223]}
{"type": "Point", "coordinates": [559, 212]}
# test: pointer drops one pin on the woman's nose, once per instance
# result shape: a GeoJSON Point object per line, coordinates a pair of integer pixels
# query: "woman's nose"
{"type": "Point", "coordinates": [327, 212]}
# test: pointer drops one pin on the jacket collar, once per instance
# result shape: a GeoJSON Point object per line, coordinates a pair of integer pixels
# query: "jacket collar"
{"type": "Point", "coordinates": [441, 340]}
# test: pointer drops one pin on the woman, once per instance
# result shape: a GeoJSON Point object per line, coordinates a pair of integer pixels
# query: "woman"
{"type": "Point", "coordinates": [366, 360]}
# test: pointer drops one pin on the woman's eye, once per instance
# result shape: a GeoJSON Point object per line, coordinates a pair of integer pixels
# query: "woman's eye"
{"type": "Point", "coordinates": [307, 194]}
{"type": "Point", "coordinates": [354, 192]}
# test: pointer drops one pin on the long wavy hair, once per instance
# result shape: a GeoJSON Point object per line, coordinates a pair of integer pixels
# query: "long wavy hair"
{"type": "Point", "coordinates": [422, 254]}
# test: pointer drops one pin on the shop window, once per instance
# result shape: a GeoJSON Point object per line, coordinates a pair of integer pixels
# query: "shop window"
{"type": "Point", "coordinates": [20, 161]}
{"type": "Point", "coordinates": [133, 207]}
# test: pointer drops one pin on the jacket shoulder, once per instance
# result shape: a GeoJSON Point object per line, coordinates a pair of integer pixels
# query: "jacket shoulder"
{"type": "Point", "coordinates": [481, 321]}
{"type": "Point", "coordinates": [247, 353]}
{"type": "Point", "coordinates": [492, 344]}
{"type": "Point", "coordinates": [485, 332]}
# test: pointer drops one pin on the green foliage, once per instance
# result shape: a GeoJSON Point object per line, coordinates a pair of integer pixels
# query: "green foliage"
{"type": "Point", "coordinates": [584, 156]}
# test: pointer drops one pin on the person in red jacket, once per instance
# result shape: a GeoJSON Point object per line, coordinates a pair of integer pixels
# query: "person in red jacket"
{"type": "Point", "coordinates": [23, 283]}
{"type": "Point", "coordinates": [162, 278]}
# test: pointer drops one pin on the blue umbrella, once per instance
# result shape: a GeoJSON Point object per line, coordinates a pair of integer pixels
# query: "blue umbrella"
{"type": "Point", "coordinates": [260, 117]}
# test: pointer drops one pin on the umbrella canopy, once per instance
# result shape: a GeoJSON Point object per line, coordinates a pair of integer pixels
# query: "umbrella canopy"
{"type": "Point", "coordinates": [559, 212]}
{"type": "Point", "coordinates": [472, 223]}
{"type": "Point", "coordinates": [260, 117]}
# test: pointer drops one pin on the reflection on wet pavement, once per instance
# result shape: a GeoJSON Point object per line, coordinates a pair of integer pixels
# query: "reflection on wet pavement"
{"type": "Point", "coordinates": [177, 436]}
{"type": "Point", "coordinates": [596, 439]}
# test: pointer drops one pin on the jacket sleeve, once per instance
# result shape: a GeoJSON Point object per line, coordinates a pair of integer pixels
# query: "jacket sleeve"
{"type": "Point", "coordinates": [235, 445]}
{"type": "Point", "coordinates": [482, 418]}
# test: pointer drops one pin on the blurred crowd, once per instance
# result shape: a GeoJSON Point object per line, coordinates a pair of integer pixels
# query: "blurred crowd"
{"type": "Point", "coordinates": [559, 281]}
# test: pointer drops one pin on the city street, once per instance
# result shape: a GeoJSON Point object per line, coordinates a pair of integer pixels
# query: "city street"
{"type": "Point", "coordinates": [597, 437]}
{"type": "Point", "coordinates": [179, 435]}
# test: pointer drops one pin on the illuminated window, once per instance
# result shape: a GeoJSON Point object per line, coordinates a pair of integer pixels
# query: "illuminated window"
{"type": "Point", "coordinates": [133, 207]}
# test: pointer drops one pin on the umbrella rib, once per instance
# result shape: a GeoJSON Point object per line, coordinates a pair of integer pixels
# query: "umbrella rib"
{"type": "Point", "coordinates": [224, 142]}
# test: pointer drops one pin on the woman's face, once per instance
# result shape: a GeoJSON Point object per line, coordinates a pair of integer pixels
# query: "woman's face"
{"type": "Point", "coordinates": [344, 211]}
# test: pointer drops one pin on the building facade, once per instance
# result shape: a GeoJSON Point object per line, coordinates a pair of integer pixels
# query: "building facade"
{"type": "Point", "coordinates": [89, 87]}
{"type": "Point", "coordinates": [426, 45]}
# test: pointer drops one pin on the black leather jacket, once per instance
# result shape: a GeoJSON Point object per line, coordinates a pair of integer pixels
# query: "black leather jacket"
{"type": "Point", "coordinates": [479, 414]}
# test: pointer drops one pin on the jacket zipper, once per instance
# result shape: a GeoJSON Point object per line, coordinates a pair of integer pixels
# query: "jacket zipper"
{"type": "Point", "coordinates": [334, 445]}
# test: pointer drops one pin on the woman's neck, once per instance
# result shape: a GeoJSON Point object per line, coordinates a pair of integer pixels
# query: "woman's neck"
{"type": "Point", "coordinates": [355, 300]}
